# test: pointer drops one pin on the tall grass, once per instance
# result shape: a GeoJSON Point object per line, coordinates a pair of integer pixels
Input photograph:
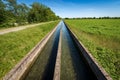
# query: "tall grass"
{"type": "Point", "coordinates": [14, 46]}
{"type": "Point", "coordinates": [102, 38]}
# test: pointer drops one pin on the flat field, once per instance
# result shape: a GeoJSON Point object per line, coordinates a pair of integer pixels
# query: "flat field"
{"type": "Point", "coordinates": [15, 45]}
{"type": "Point", "coordinates": [102, 38]}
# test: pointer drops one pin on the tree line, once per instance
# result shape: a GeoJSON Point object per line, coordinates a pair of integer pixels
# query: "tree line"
{"type": "Point", "coordinates": [95, 18]}
{"type": "Point", "coordinates": [12, 13]}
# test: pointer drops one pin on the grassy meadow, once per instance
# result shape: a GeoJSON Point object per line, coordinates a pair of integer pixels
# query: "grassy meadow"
{"type": "Point", "coordinates": [102, 38]}
{"type": "Point", "coordinates": [15, 45]}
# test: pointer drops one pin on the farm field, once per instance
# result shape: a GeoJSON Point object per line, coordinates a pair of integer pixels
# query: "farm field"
{"type": "Point", "coordinates": [15, 45]}
{"type": "Point", "coordinates": [102, 38]}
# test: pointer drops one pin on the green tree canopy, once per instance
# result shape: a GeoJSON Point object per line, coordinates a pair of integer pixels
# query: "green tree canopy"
{"type": "Point", "coordinates": [40, 13]}
{"type": "Point", "coordinates": [12, 12]}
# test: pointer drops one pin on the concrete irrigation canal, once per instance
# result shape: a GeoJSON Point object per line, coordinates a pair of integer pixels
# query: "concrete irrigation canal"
{"type": "Point", "coordinates": [59, 56]}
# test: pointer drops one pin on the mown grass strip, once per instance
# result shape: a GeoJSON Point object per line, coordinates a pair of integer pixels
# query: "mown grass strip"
{"type": "Point", "coordinates": [16, 45]}
{"type": "Point", "coordinates": [102, 39]}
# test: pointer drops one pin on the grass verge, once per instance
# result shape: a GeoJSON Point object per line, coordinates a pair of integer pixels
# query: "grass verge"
{"type": "Point", "coordinates": [101, 37]}
{"type": "Point", "coordinates": [15, 45]}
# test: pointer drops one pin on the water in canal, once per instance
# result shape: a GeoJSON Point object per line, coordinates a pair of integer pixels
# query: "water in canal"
{"type": "Point", "coordinates": [73, 66]}
{"type": "Point", "coordinates": [43, 68]}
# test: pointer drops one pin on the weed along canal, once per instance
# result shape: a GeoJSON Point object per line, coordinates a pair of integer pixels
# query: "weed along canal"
{"type": "Point", "coordinates": [61, 59]}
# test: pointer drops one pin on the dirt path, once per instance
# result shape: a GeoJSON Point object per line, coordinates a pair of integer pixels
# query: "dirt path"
{"type": "Point", "coordinates": [13, 29]}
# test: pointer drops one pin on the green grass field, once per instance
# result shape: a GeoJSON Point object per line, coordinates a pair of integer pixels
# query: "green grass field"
{"type": "Point", "coordinates": [15, 45]}
{"type": "Point", "coordinates": [102, 38]}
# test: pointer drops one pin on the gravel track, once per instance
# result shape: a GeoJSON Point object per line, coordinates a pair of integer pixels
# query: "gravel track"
{"type": "Point", "coordinates": [14, 29]}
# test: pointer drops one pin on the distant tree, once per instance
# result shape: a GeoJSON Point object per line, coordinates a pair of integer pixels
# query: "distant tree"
{"type": "Point", "coordinates": [5, 16]}
{"type": "Point", "coordinates": [22, 11]}
{"type": "Point", "coordinates": [50, 15]}
{"type": "Point", "coordinates": [12, 12]}
{"type": "Point", "coordinates": [12, 6]}
{"type": "Point", "coordinates": [66, 18]}
{"type": "Point", "coordinates": [58, 17]}
{"type": "Point", "coordinates": [2, 5]}
{"type": "Point", "coordinates": [94, 17]}
{"type": "Point", "coordinates": [40, 13]}
{"type": "Point", "coordinates": [2, 11]}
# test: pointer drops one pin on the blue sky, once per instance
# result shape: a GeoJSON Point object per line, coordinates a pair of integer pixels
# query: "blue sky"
{"type": "Point", "coordinates": [81, 8]}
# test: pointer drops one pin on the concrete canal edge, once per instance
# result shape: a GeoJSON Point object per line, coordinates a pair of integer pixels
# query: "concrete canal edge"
{"type": "Point", "coordinates": [99, 72]}
{"type": "Point", "coordinates": [58, 59]}
{"type": "Point", "coordinates": [18, 72]}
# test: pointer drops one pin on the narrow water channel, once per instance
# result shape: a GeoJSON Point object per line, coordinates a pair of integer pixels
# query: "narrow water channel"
{"type": "Point", "coordinates": [73, 67]}
{"type": "Point", "coordinates": [43, 67]}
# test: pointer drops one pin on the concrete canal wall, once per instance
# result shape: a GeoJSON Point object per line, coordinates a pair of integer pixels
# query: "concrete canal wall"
{"type": "Point", "coordinates": [100, 73]}
{"type": "Point", "coordinates": [21, 68]}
